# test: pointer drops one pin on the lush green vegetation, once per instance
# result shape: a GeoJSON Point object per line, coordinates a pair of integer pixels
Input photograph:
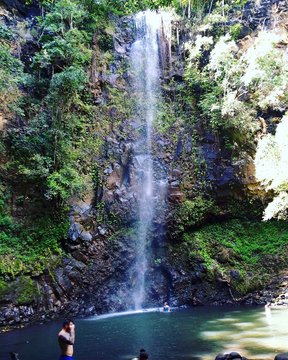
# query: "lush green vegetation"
{"type": "Point", "coordinates": [253, 249]}
{"type": "Point", "coordinates": [50, 151]}
{"type": "Point", "coordinates": [47, 148]}
{"type": "Point", "coordinates": [193, 212]}
{"type": "Point", "coordinates": [240, 88]}
{"type": "Point", "coordinates": [31, 244]}
{"type": "Point", "coordinates": [55, 132]}
{"type": "Point", "coordinates": [250, 241]}
{"type": "Point", "coordinates": [11, 73]}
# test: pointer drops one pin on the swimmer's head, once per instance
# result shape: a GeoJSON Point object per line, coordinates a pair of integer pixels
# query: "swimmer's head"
{"type": "Point", "coordinates": [143, 354]}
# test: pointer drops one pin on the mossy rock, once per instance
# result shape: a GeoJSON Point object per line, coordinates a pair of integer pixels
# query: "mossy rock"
{"type": "Point", "coordinates": [4, 290]}
{"type": "Point", "coordinates": [226, 255]}
{"type": "Point", "coordinates": [193, 212]}
{"type": "Point", "coordinates": [22, 291]}
{"type": "Point", "coordinates": [246, 283]}
{"type": "Point", "coordinates": [26, 291]}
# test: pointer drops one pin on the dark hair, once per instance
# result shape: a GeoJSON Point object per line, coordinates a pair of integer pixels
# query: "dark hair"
{"type": "Point", "coordinates": [143, 354]}
{"type": "Point", "coordinates": [66, 322]}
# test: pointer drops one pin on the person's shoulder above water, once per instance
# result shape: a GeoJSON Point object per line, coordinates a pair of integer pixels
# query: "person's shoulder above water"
{"type": "Point", "coordinates": [166, 307]}
{"type": "Point", "coordinates": [143, 355]}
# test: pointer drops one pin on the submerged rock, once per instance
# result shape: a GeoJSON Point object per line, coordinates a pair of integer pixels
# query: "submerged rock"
{"type": "Point", "coordinates": [230, 356]}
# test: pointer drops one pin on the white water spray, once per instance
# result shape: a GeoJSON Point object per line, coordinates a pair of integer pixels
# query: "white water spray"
{"type": "Point", "coordinates": [147, 60]}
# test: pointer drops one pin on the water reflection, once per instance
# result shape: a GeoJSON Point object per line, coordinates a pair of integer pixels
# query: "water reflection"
{"type": "Point", "coordinates": [199, 333]}
{"type": "Point", "coordinates": [260, 333]}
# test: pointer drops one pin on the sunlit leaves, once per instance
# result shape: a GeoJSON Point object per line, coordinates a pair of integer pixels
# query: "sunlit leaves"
{"type": "Point", "coordinates": [64, 183]}
{"type": "Point", "coordinates": [271, 163]}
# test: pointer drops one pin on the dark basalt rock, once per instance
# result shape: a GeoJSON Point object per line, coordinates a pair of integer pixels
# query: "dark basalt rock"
{"type": "Point", "coordinates": [26, 10]}
{"type": "Point", "coordinates": [260, 15]}
{"type": "Point", "coordinates": [230, 356]}
{"type": "Point", "coordinates": [15, 4]}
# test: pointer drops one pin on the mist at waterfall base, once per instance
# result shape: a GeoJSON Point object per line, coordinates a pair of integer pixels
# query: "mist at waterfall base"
{"type": "Point", "coordinates": [198, 333]}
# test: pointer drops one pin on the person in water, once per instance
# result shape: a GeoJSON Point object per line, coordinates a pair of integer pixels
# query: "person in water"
{"type": "Point", "coordinates": [143, 355]}
{"type": "Point", "coordinates": [166, 307]}
{"type": "Point", "coordinates": [66, 339]}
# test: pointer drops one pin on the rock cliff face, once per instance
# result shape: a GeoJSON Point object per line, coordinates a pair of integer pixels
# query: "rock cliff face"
{"type": "Point", "coordinates": [97, 274]}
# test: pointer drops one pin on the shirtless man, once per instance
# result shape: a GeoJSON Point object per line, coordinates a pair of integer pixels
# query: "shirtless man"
{"type": "Point", "coordinates": [66, 339]}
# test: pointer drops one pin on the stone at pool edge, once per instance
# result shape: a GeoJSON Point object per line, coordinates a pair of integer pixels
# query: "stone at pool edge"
{"type": "Point", "coordinates": [232, 356]}
{"type": "Point", "coordinates": [283, 356]}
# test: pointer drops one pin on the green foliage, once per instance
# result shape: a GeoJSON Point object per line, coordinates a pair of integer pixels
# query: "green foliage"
{"type": "Point", "coordinates": [4, 288]}
{"type": "Point", "coordinates": [5, 33]}
{"type": "Point", "coordinates": [71, 49]}
{"type": "Point", "coordinates": [176, 109]}
{"type": "Point", "coordinates": [208, 107]}
{"type": "Point", "coordinates": [252, 249]}
{"type": "Point", "coordinates": [96, 179]}
{"type": "Point", "coordinates": [235, 31]}
{"type": "Point", "coordinates": [250, 241]}
{"type": "Point", "coordinates": [31, 245]}
{"type": "Point", "coordinates": [105, 42]}
{"type": "Point", "coordinates": [249, 209]}
{"type": "Point", "coordinates": [158, 262]}
{"type": "Point", "coordinates": [51, 152]}
{"type": "Point", "coordinates": [240, 3]}
{"type": "Point", "coordinates": [231, 85]}
{"type": "Point", "coordinates": [165, 119]}
{"type": "Point", "coordinates": [11, 77]}
{"type": "Point", "coordinates": [208, 95]}
{"type": "Point", "coordinates": [248, 282]}
{"type": "Point", "coordinates": [26, 291]}
{"type": "Point", "coordinates": [133, 6]}
{"type": "Point", "coordinates": [66, 86]}
{"type": "Point", "coordinates": [193, 212]}
{"type": "Point", "coordinates": [124, 232]}
{"type": "Point", "coordinates": [7, 60]}
{"type": "Point", "coordinates": [63, 184]}
{"type": "Point", "coordinates": [124, 7]}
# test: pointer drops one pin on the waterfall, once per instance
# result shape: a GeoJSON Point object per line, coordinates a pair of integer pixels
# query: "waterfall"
{"type": "Point", "coordinates": [147, 59]}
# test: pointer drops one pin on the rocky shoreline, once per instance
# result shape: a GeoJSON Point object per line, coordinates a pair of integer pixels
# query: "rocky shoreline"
{"type": "Point", "coordinates": [274, 295]}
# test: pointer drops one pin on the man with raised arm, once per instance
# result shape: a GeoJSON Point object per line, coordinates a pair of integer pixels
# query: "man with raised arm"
{"type": "Point", "coordinates": [66, 339]}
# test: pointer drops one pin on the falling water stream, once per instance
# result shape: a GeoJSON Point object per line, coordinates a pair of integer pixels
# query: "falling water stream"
{"type": "Point", "coordinates": [146, 58]}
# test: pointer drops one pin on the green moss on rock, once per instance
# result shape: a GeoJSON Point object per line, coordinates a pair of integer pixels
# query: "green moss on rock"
{"type": "Point", "coordinates": [26, 291]}
{"type": "Point", "coordinates": [193, 212]}
{"type": "Point", "coordinates": [242, 253]}
{"type": "Point", "coordinates": [4, 289]}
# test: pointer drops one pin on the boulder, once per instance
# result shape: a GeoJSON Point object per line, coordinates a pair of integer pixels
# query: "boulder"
{"type": "Point", "coordinates": [230, 356]}
{"type": "Point", "coordinates": [283, 356]}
